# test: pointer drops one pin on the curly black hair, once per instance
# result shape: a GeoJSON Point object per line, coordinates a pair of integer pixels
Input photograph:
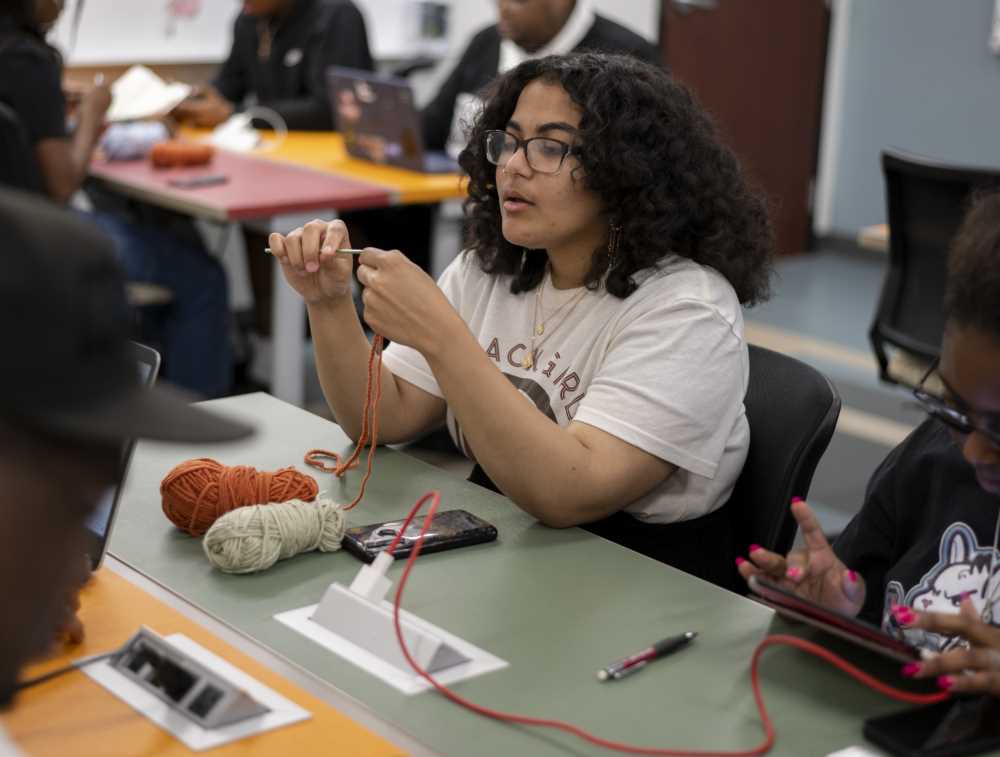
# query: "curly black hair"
{"type": "Point", "coordinates": [972, 292]}
{"type": "Point", "coordinates": [653, 157]}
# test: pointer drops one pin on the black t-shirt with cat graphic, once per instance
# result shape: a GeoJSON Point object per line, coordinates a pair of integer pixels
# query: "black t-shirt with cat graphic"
{"type": "Point", "coordinates": [924, 536]}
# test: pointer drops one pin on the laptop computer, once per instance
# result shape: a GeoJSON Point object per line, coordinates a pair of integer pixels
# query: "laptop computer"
{"type": "Point", "coordinates": [380, 122]}
{"type": "Point", "coordinates": [100, 522]}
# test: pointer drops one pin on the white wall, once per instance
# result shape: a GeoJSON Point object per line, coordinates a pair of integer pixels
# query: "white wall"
{"type": "Point", "coordinates": [917, 75]}
{"type": "Point", "coordinates": [125, 31]}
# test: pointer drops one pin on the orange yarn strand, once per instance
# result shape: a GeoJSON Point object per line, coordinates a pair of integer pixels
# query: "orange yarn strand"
{"type": "Point", "coordinates": [196, 492]}
{"type": "Point", "coordinates": [369, 428]}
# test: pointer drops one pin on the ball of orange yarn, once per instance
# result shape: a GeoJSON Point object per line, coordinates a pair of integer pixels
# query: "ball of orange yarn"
{"type": "Point", "coordinates": [175, 152]}
{"type": "Point", "coordinates": [196, 492]}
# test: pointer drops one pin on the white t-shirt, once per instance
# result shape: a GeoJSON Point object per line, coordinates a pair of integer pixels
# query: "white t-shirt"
{"type": "Point", "coordinates": [664, 369]}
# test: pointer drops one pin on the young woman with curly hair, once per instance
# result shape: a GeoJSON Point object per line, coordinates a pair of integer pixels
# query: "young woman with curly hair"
{"type": "Point", "coordinates": [587, 349]}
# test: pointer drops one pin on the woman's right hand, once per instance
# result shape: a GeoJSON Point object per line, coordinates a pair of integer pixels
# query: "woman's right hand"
{"type": "Point", "coordinates": [94, 104]}
{"type": "Point", "coordinates": [311, 264]}
{"type": "Point", "coordinates": [814, 573]}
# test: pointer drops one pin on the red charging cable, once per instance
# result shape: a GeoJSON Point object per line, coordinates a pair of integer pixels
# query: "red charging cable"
{"type": "Point", "coordinates": [770, 641]}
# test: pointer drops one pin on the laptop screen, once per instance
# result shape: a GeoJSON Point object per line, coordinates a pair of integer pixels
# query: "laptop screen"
{"type": "Point", "coordinates": [102, 518]}
{"type": "Point", "coordinates": [377, 116]}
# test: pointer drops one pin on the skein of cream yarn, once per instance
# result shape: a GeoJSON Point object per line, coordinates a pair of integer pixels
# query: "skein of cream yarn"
{"type": "Point", "coordinates": [255, 537]}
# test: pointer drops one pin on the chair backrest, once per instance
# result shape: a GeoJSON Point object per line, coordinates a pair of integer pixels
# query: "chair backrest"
{"type": "Point", "coordinates": [792, 410]}
{"type": "Point", "coordinates": [925, 202]}
{"type": "Point", "coordinates": [17, 168]}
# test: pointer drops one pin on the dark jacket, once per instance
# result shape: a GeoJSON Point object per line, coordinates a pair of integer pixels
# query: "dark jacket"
{"type": "Point", "coordinates": [291, 80]}
{"type": "Point", "coordinates": [478, 67]}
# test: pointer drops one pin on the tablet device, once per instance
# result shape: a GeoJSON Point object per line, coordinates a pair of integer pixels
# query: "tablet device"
{"type": "Point", "coordinates": [147, 363]}
{"type": "Point", "coordinates": [449, 529]}
{"type": "Point", "coordinates": [790, 605]}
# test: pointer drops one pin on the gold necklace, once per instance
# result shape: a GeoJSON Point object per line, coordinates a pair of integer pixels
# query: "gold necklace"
{"type": "Point", "coordinates": [538, 329]}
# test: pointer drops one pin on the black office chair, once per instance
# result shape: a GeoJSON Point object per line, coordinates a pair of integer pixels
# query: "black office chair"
{"type": "Point", "coordinates": [16, 167]}
{"type": "Point", "coordinates": [792, 410]}
{"type": "Point", "coordinates": [925, 202]}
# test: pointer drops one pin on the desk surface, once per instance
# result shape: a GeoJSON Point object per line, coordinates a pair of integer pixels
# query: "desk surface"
{"type": "Point", "coordinates": [74, 715]}
{"type": "Point", "coordinates": [254, 189]}
{"type": "Point", "coordinates": [307, 171]}
{"type": "Point", "coordinates": [325, 151]}
{"type": "Point", "coordinates": [556, 604]}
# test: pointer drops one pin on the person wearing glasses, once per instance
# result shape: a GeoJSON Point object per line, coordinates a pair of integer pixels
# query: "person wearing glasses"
{"type": "Point", "coordinates": [920, 557]}
{"type": "Point", "coordinates": [587, 348]}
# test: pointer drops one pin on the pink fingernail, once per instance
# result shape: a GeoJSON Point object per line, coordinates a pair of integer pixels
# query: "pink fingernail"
{"type": "Point", "coordinates": [793, 572]}
{"type": "Point", "coordinates": [852, 576]}
{"type": "Point", "coordinates": [910, 669]}
{"type": "Point", "coordinates": [740, 561]}
{"type": "Point", "coordinates": [797, 499]}
{"type": "Point", "coordinates": [965, 595]}
{"type": "Point", "coordinates": [945, 682]}
{"type": "Point", "coordinates": [755, 547]}
{"type": "Point", "coordinates": [905, 616]}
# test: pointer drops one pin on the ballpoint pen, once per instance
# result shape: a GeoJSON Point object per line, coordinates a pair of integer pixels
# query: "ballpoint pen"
{"type": "Point", "coordinates": [632, 663]}
{"type": "Point", "coordinates": [344, 251]}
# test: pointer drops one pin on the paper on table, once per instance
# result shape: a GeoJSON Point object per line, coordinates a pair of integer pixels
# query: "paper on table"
{"type": "Point", "coordinates": [282, 711]}
{"type": "Point", "coordinates": [139, 93]}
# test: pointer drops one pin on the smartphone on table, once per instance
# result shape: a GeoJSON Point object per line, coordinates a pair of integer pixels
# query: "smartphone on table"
{"type": "Point", "coordinates": [449, 529]}
{"type": "Point", "coordinates": [790, 605]}
{"type": "Point", "coordinates": [953, 728]}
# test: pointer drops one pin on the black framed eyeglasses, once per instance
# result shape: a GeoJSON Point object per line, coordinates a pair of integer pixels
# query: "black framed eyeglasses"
{"type": "Point", "coordinates": [958, 420]}
{"type": "Point", "coordinates": [544, 155]}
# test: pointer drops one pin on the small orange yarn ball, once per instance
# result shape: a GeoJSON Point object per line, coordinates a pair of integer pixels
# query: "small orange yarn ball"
{"type": "Point", "coordinates": [196, 492]}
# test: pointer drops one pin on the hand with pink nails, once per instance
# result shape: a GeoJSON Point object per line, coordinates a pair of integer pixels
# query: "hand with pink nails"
{"type": "Point", "coordinates": [814, 573]}
{"type": "Point", "coordinates": [974, 669]}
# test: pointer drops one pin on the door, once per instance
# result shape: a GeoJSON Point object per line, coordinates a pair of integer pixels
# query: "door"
{"type": "Point", "coordinates": [757, 66]}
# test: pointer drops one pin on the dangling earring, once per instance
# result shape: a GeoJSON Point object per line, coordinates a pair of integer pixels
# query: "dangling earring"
{"type": "Point", "coordinates": [614, 239]}
{"type": "Point", "coordinates": [524, 259]}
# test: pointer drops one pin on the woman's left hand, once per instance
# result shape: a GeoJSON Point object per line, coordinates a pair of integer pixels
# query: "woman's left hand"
{"type": "Point", "coordinates": [402, 303]}
{"type": "Point", "coordinates": [975, 669]}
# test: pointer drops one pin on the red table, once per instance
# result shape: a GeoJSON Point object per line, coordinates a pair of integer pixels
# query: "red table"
{"type": "Point", "coordinates": [255, 188]}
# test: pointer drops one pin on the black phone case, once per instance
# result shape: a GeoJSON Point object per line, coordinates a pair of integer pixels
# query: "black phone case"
{"type": "Point", "coordinates": [953, 728]}
{"type": "Point", "coordinates": [449, 529]}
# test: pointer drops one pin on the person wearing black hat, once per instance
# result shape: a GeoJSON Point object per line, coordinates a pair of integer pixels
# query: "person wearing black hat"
{"type": "Point", "coordinates": [69, 397]}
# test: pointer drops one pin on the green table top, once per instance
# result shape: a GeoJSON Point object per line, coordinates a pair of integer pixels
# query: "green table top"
{"type": "Point", "coordinates": [556, 604]}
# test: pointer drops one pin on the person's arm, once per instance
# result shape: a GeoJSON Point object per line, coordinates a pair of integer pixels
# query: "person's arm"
{"type": "Point", "coordinates": [341, 347]}
{"type": "Point", "coordinates": [344, 42]}
{"type": "Point", "coordinates": [63, 160]}
{"type": "Point", "coordinates": [562, 476]}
